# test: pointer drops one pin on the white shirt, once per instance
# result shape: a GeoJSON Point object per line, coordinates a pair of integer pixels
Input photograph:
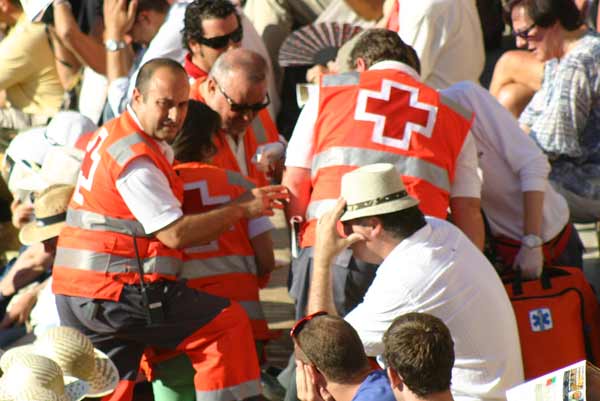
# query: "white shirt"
{"type": "Point", "coordinates": [447, 36]}
{"type": "Point", "coordinates": [301, 146]}
{"type": "Point", "coordinates": [147, 193]}
{"type": "Point", "coordinates": [510, 163]}
{"type": "Point", "coordinates": [439, 271]}
{"type": "Point", "coordinates": [168, 43]}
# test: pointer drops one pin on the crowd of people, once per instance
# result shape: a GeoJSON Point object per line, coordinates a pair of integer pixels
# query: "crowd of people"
{"type": "Point", "coordinates": [148, 162]}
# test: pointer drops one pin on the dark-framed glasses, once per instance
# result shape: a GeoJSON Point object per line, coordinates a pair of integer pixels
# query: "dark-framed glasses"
{"type": "Point", "coordinates": [524, 33]}
{"type": "Point", "coordinates": [243, 107]}
{"type": "Point", "coordinates": [219, 42]}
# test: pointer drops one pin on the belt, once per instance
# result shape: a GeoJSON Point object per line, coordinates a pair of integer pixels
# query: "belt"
{"type": "Point", "coordinates": [508, 247]}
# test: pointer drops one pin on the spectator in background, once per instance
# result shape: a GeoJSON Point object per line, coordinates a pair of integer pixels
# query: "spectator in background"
{"type": "Point", "coordinates": [331, 362]}
{"type": "Point", "coordinates": [27, 71]}
{"type": "Point", "coordinates": [419, 354]}
{"type": "Point", "coordinates": [210, 29]}
{"type": "Point", "coordinates": [446, 34]}
{"type": "Point", "coordinates": [563, 117]}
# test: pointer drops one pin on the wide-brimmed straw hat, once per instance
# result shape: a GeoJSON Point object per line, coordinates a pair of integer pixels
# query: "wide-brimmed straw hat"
{"type": "Point", "coordinates": [30, 377]}
{"type": "Point", "coordinates": [76, 356]}
{"type": "Point", "coordinates": [50, 210]}
{"type": "Point", "coordinates": [372, 190]}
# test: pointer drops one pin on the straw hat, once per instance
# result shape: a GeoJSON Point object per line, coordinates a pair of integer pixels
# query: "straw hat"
{"type": "Point", "coordinates": [35, 377]}
{"type": "Point", "coordinates": [77, 357]}
{"type": "Point", "coordinates": [372, 190]}
{"type": "Point", "coordinates": [50, 210]}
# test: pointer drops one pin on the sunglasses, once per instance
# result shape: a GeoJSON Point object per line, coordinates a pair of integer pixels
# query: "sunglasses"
{"type": "Point", "coordinates": [219, 42]}
{"type": "Point", "coordinates": [524, 34]}
{"type": "Point", "coordinates": [302, 322]}
{"type": "Point", "coordinates": [242, 107]}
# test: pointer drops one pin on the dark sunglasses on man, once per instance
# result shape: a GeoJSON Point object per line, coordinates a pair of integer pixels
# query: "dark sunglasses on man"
{"type": "Point", "coordinates": [243, 107]}
{"type": "Point", "coordinates": [219, 42]}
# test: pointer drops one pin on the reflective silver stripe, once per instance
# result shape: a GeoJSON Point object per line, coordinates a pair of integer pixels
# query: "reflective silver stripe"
{"type": "Point", "coordinates": [235, 178]}
{"type": "Point", "coordinates": [457, 107]}
{"type": "Point", "coordinates": [316, 209]}
{"type": "Point", "coordinates": [253, 309]}
{"type": "Point", "coordinates": [97, 222]}
{"type": "Point", "coordinates": [406, 165]}
{"type": "Point", "coordinates": [107, 263]}
{"type": "Point", "coordinates": [201, 268]}
{"type": "Point", "coordinates": [345, 79]}
{"type": "Point", "coordinates": [121, 150]}
{"type": "Point", "coordinates": [240, 392]}
{"type": "Point", "coordinates": [259, 131]}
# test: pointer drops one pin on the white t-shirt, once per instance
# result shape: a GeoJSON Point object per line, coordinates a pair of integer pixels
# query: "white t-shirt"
{"type": "Point", "coordinates": [147, 193]}
{"type": "Point", "coordinates": [439, 271]}
{"type": "Point", "coordinates": [447, 36]}
{"type": "Point", "coordinates": [510, 163]}
{"type": "Point", "coordinates": [300, 150]}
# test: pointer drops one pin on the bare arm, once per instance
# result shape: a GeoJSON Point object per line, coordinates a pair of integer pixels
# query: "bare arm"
{"type": "Point", "coordinates": [196, 229]}
{"type": "Point", "coordinates": [263, 253]}
{"type": "Point", "coordinates": [89, 50]}
{"type": "Point", "coordinates": [119, 19]}
{"type": "Point", "coordinates": [297, 180]}
{"type": "Point", "coordinates": [466, 215]}
{"type": "Point", "coordinates": [328, 245]}
{"type": "Point", "coordinates": [28, 266]}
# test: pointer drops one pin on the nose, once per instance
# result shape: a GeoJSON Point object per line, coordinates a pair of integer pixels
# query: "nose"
{"type": "Point", "coordinates": [174, 114]}
{"type": "Point", "coordinates": [520, 42]}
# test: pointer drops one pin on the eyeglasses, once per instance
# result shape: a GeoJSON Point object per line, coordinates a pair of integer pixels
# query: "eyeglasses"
{"type": "Point", "coordinates": [524, 34]}
{"type": "Point", "coordinates": [242, 107]}
{"type": "Point", "coordinates": [300, 323]}
{"type": "Point", "coordinates": [219, 42]}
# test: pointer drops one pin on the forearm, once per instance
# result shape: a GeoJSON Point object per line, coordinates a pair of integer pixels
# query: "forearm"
{"type": "Point", "coordinates": [320, 293]}
{"type": "Point", "coordinates": [298, 182]}
{"type": "Point", "coordinates": [89, 50]}
{"type": "Point", "coordinates": [67, 65]}
{"type": "Point", "coordinates": [263, 253]}
{"type": "Point", "coordinates": [466, 215]}
{"type": "Point", "coordinates": [533, 204]}
{"type": "Point", "coordinates": [198, 229]}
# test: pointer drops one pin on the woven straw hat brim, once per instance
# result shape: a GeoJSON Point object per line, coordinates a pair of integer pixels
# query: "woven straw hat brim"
{"type": "Point", "coordinates": [103, 381]}
{"type": "Point", "coordinates": [75, 390]}
{"type": "Point", "coordinates": [382, 208]}
{"type": "Point", "coordinates": [106, 375]}
{"type": "Point", "coordinates": [31, 233]}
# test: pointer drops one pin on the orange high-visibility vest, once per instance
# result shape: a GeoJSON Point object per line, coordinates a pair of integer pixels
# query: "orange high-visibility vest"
{"type": "Point", "coordinates": [96, 255]}
{"type": "Point", "coordinates": [261, 131]}
{"type": "Point", "coordinates": [225, 267]}
{"type": "Point", "coordinates": [383, 116]}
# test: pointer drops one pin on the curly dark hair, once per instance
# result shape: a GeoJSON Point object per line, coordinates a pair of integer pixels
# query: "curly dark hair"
{"type": "Point", "coordinates": [546, 12]}
{"type": "Point", "coordinates": [200, 10]}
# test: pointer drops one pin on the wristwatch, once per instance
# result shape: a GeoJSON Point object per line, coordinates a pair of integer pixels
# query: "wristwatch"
{"type": "Point", "coordinates": [113, 45]}
{"type": "Point", "coordinates": [531, 241]}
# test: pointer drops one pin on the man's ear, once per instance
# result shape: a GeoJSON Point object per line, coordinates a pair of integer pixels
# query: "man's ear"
{"type": "Point", "coordinates": [136, 96]}
{"type": "Point", "coordinates": [395, 379]}
{"type": "Point", "coordinates": [360, 65]}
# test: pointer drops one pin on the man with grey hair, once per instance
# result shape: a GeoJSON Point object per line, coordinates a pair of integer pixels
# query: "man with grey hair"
{"type": "Point", "coordinates": [248, 141]}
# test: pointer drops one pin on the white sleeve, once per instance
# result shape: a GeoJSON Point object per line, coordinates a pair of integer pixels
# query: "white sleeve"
{"type": "Point", "coordinates": [258, 226]}
{"type": "Point", "coordinates": [300, 148]}
{"type": "Point", "coordinates": [147, 194]}
{"type": "Point", "coordinates": [117, 95]}
{"type": "Point", "coordinates": [420, 28]}
{"type": "Point", "coordinates": [466, 180]}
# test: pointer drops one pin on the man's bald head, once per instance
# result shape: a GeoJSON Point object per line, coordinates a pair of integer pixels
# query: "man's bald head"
{"type": "Point", "coordinates": [240, 63]}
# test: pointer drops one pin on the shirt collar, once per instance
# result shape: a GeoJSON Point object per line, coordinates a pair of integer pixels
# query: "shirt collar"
{"type": "Point", "coordinates": [395, 65]}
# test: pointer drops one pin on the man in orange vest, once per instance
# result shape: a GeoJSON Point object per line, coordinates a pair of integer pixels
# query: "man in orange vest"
{"type": "Point", "coordinates": [118, 259]}
{"type": "Point", "coordinates": [248, 141]}
{"type": "Point", "coordinates": [381, 113]}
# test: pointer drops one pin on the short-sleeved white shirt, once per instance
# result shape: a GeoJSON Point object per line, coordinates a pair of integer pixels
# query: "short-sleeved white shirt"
{"type": "Point", "coordinates": [439, 271]}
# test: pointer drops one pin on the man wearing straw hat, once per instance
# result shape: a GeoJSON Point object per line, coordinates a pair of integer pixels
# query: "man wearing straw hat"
{"type": "Point", "coordinates": [118, 257]}
{"type": "Point", "coordinates": [426, 265]}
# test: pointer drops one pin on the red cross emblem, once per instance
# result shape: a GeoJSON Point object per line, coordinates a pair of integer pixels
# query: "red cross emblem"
{"type": "Point", "coordinates": [417, 116]}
